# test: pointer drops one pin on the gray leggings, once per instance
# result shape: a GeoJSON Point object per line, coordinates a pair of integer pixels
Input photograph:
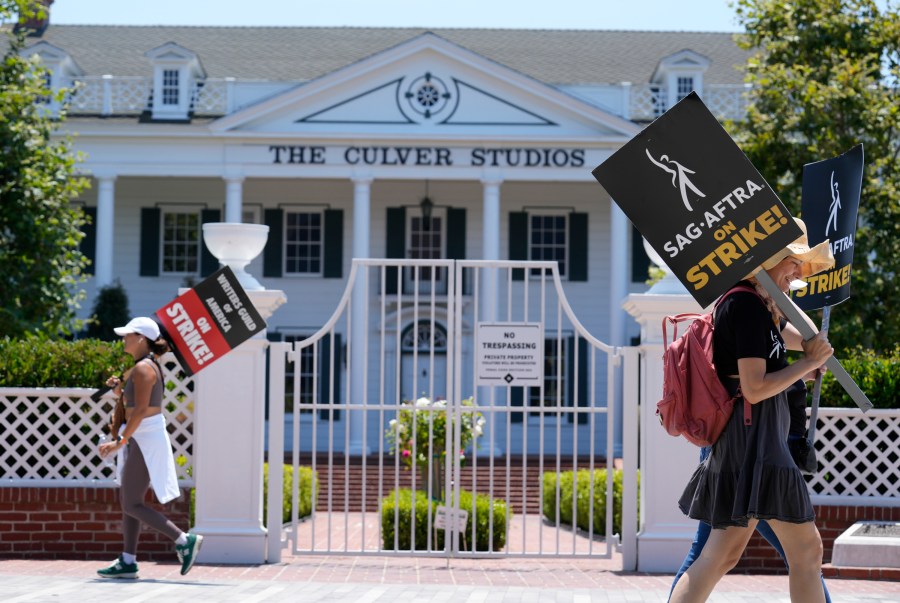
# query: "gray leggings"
{"type": "Point", "coordinates": [135, 483]}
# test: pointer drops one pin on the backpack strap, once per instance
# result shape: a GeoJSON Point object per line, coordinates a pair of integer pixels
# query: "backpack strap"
{"type": "Point", "coordinates": [675, 319]}
{"type": "Point", "coordinates": [748, 408]}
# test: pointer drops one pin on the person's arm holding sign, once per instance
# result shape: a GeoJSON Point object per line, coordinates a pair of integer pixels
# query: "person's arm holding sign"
{"type": "Point", "coordinates": [757, 385]}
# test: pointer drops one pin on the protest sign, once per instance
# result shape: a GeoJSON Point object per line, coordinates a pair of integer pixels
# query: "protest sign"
{"type": "Point", "coordinates": [829, 206]}
{"type": "Point", "coordinates": [697, 199]}
{"type": "Point", "coordinates": [208, 321]}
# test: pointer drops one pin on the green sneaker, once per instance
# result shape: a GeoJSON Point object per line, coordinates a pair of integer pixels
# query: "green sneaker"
{"type": "Point", "coordinates": [119, 570]}
{"type": "Point", "coordinates": [187, 553]}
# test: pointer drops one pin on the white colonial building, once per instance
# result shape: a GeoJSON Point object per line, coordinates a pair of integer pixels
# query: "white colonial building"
{"type": "Point", "coordinates": [372, 143]}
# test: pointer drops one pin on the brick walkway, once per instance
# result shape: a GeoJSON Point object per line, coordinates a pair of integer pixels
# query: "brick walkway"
{"type": "Point", "coordinates": [369, 578]}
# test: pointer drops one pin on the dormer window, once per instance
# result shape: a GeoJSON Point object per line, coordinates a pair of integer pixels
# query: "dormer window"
{"type": "Point", "coordinates": [176, 74]}
{"type": "Point", "coordinates": [684, 86]}
{"type": "Point", "coordinates": [62, 71]}
{"type": "Point", "coordinates": [170, 90]}
{"type": "Point", "coordinates": [676, 76]}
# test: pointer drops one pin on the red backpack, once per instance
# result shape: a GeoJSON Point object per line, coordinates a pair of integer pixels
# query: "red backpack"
{"type": "Point", "coordinates": [695, 404]}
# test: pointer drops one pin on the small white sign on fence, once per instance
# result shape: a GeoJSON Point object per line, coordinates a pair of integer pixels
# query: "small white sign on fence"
{"type": "Point", "coordinates": [510, 353]}
{"type": "Point", "coordinates": [445, 518]}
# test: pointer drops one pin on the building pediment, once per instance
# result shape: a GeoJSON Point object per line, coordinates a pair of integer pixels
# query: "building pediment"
{"type": "Point", "coordinates": [683, 60]}
{"type": "Point", "coordinates": [429, 87]}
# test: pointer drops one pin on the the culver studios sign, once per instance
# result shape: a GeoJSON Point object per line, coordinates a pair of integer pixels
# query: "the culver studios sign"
{"type": "Point", "coordinates": [426, 156]}
{"type": "Point", "coordinates": [697, 199]}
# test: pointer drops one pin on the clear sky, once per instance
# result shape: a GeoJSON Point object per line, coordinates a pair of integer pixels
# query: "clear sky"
{"type": "Point", "coordinates": [690, 15]}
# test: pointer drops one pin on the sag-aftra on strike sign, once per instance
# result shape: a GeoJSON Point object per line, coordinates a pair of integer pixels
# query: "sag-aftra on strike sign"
{"type": "Point", "coordinates": [697, 199]}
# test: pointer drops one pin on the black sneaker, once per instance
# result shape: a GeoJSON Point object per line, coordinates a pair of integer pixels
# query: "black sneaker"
{"type": "Point", "coordinates": [119, 570]}
{"type": "Point", "coordinates": [187, 553]}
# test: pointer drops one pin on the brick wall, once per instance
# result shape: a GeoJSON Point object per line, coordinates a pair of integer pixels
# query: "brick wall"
{"type": "Point", "coordinates": [86, 523]}
{"type": "Point", "coordinates": [78, 523]}
{"type": "Point", "coordinates": [832, 521]}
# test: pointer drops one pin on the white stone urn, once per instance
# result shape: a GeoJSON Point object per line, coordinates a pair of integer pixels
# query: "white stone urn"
{"type": "Point", "coordinates": [236, 245]}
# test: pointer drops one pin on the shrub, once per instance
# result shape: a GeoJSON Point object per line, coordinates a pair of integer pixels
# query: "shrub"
{"type": "Point", "coordinates": [308, 491]}
{"type": "Point", "coordinates": [586, 507]}
{"type": "Point", "coordinates": [305, 502]}
{"type": "Point", "coordinates": [39, 362]}
{"type": "Point", "coordinates": [110, 311]}
{"type": "Point", "coordinates": [486, 539]}
{"type": "Point", "coordinates": [408, 434]}
{"type": "Point", "coordinates": [877, 376]}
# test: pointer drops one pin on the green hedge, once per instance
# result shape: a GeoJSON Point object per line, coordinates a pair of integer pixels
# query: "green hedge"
{"type": "Point", "coordinates": [287, 480]}
{"type": "Point", "coordinates": [877, 376]}
{"type": "Point", "coordinates": [38, 362]}
{"type": "Point", "coordinates": [309, 483]}
{"type": "Point", "coordinates": [567, 485]}
{"type": "Point", "coordinates": [486, 540]}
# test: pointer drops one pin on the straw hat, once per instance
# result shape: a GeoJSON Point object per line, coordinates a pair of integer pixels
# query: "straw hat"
{"type": "Point", "coordinates": [815, 259]}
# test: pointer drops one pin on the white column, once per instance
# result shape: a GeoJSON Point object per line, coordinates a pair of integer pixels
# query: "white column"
{"type": "Point", "coordinates": [103, 258]}
{"type": "Point", "coordinates": [618, 288]}
{"type": "Point", "coordinates": [234, 204]}
{"type": "Point", "coordinates": [490, 247]}
{"type": "Point", "coordinates": [228, 448]}
{"type": "Point", "coordinates": [362, 188]}
{"type": "Point", "coordinates": [487, 301]}
{"type": "Point", "coordinates": [666, 462]}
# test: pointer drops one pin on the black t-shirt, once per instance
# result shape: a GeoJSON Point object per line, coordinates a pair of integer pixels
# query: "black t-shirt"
{"type": "Point", "coordinates": [744, 328]}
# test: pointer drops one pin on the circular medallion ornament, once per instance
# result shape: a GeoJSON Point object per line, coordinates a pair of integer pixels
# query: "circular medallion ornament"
{"type": "Point", "coordinates": [427, 95]}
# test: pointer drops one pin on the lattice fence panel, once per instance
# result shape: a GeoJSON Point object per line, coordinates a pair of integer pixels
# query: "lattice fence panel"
{"type": "Point", "coordinates": [49, 434]}
{"type": "Point", "coordinates": [130, 94]}
{"type": "Point", "coordinates": [211, 98]}
{"type": "Point", "coordinates": [726, 101]}
{"type": "Point", "coordinates": [859, 455]}
{"type": "Point", "coordinates": [646, 102]}
{"type": "Point", "coordinates": [88, 96]}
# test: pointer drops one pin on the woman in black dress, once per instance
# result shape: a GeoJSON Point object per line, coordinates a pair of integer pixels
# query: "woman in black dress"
{"type": "Point", "coordinates": [750, 474]}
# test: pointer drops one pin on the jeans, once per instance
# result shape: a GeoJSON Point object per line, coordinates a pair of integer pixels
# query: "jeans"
{"type": "Point", "coordinates": [704, 530]}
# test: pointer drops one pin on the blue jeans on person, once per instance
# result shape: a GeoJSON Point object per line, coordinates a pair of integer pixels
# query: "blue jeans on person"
{"type": "Point", "coordinates": [704, 530]}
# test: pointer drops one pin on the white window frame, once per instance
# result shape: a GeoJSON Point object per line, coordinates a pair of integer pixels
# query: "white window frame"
{"type": "Point", "coordinates": [550, 412]}
{"type": "Point", "coordinates": [251, 214]}
{"type": "Point", "coordinates": [284, 269]}
{"type": "Point", "coordinates": [293, 337]}
{"type": "Point", "coordinates": [440, 280]}
{"type": "Point", "coordinates": [170, 92]}
{"type": "Point", "coordinates": [554, 213]}
{"type": "Point", "coordinates": [179, 209]}
{"type": "Point", "coordinates": [684, 78]}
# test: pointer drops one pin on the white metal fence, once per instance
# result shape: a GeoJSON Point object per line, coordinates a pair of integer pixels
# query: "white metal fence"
{"type": "Point", "coordinates": [398, 412]}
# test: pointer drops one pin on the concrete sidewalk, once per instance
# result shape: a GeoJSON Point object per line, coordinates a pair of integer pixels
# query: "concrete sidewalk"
{"type": "Point", "coordinates": [366, 579]}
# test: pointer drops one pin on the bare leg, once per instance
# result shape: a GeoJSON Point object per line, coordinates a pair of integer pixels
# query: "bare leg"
{"type": "Point", "coordinates": [722, 552]}
{"type": "Point", "coordinates": [803, 550]}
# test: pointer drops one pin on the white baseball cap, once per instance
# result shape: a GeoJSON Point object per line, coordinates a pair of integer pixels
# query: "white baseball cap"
{"type": "Point", "coordinates": [142, 326]}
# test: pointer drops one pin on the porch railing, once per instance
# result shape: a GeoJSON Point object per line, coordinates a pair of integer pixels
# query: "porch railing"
{"type": "Point", "coordinates": [130, 95]}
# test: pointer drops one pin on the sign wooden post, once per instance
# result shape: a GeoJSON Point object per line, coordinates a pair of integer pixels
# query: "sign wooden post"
{"type": "Point", "coordinates": [795, 315]}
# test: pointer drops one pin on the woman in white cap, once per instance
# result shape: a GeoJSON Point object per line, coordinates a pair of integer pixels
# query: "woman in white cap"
{"type": "Point", "coordinates": [144, 442]}
{"type": "Point", "coordinates": [750, 474]}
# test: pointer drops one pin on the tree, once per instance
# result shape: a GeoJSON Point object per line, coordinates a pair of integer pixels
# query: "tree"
{"type": "Point", "coordinates": [824, 79]}
{"type": "Point", "coordinates": [40, 263]}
